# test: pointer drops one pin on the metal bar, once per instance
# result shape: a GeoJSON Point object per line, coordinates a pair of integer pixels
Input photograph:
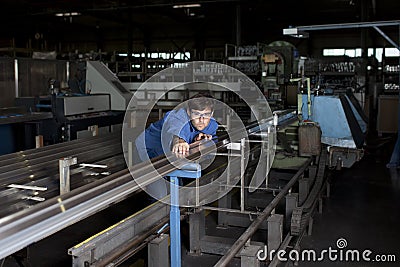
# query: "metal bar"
{"type": "Point", "coordinates": [16, 79]}
{"type": "Point", "coordinates": [273, 190]}
{"type": "Point", "coordinates": [348, 25]}
{"type": "Point", "coordinates": [13, 158]}
{"type": "Point", "coordinates": [93, 165]}
{"type": "Point", "coordinates": [230, 210]}
{"type": "Point", "coordinates": [27, 187]}
{"type": "Point", "coordinates": [387, 37]}
{"type": "Point", "coordinates": [242, 169]}
{"type": "Point", "coordinates": [256, 223]}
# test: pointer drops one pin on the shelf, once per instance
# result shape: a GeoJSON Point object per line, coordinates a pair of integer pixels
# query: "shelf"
{"type": "Point", "coordinates": [334, 73]}
{"type": "Point", "coordinates": [128, 73]}
{"type": "Point", "coordinates": [387, 91]}
{"type": "Point", "coordinates": [243, 58]}
{"type": "Point", "coordinates": [391, 72]}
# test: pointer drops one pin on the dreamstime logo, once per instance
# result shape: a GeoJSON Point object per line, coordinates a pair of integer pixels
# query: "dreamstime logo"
{"type": "Point", "coordinates": [331, 254]}
{"type": "Point", "coordinates": [341, 243]}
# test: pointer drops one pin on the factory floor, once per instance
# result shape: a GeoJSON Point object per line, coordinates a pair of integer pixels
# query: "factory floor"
{"type": "Point", "coordinates": [361, 211]}
{"type": "Point", "coordinates": [361, 214]}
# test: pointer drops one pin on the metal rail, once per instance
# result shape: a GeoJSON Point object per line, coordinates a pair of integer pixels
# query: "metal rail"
{"type": "Point", "coordinates": [41, 151]}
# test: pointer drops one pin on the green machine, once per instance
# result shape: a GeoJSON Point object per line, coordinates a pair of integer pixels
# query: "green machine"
{"type": "Point", "coordinates": [279, 62]}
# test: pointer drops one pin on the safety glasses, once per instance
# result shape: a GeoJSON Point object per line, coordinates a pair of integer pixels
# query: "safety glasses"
{"type": "Point", "coordinates": [196, 114]}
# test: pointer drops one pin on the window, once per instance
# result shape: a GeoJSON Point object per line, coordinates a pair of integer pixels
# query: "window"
{"type": "Point", "coordinates": [356, 52]}
{"type": "Point", "coordinates": [162, 55]}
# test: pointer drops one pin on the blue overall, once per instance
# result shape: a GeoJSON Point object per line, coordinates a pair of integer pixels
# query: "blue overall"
{"type": "Point", "coordinates": [156, 140]}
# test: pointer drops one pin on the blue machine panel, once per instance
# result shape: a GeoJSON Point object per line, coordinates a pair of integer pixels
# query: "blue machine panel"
{"type": "Point", "coordinates": [340, 122]}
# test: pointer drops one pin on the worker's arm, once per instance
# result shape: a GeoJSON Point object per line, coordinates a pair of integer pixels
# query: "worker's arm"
{"type": "Point", "coordinates": [179, 145]}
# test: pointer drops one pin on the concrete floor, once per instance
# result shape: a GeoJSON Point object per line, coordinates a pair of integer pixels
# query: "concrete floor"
{"type": "Point", "coordinates": [363, 210]}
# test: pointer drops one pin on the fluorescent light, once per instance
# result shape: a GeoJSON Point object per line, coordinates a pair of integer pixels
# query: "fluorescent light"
{"type": "Point", "coordinates": [295, 32]}
{"type": "Point", "coordinates": [67, 14]}
{"type": "Point", "coordinates": [186, 6]}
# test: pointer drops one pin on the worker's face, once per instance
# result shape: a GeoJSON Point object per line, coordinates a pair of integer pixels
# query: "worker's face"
{"type": "Point", "coordinates": [200, 118]}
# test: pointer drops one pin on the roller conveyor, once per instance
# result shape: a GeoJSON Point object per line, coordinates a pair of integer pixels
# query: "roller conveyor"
{"type": "Point", "coordinates": [29, 164]}
{"type": "Point", "coordinates": [39, 168]}
{"type": "Point", "coordinates": [13, 199]}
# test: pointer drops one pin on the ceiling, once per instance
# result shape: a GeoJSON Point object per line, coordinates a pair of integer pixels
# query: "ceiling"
{"type": "Point", "coordinates": [107, 23]}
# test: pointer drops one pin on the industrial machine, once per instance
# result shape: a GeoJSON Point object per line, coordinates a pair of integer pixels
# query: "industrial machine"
{"type": "Point", "coordinates": [100, 80]}
{"type": "Point", "coordinates": [77, 115]}
{"type": "Point", "coordinates": [342, 122]}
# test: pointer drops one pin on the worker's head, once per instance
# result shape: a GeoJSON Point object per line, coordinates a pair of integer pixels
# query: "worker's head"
{"type": "Point", "coordinates": [200, 109]}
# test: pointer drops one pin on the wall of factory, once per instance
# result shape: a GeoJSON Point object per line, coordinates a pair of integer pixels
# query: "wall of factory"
{"type": "Point", "coordinates": [7, 82]}
{"type": "Point", "coordinates": [33, 78]}
{"type": "Point", "coordinates": [320, 40]}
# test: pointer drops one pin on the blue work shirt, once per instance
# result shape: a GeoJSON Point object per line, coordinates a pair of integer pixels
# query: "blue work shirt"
{"type": "Point", "coordinates": [156, 140]}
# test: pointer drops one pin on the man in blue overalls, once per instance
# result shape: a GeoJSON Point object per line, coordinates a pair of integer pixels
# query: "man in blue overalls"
{"type": "Point", "coordinates": [175, 131]}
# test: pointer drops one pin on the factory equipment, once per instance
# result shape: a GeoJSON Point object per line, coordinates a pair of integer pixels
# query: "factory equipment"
{"type": "Point", "coordinates": [269, 200]}
{"type": "Point", "coordinates": [100, 80]}
{"type": "Point", "coordinates": [74, 114]}
{"type": "Point", "coordinates": [341, 120]}
{"type": "Point", "coordinates": [278, 62]}
{"type": "Point", "coordinates": [17, 126]}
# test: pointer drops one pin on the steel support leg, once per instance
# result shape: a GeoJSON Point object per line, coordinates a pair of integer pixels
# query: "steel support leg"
{"type": "Point", "coordinates": [64, 165]}
{"type": "Point", "coordinates": [191, 170]}
{"type": "Point", "coordinates": [248, 256]}
{"type": "Point", "coordinates": [275, 231]}
{"type": "Point", "coordinates": [158, 252]}
{"type": "Point", "coordinates": [175, 223]}
{"type": "Point", "coordinates": [224, 202]}
{"type": "Point", "coordinates": [196, 231]}
{"type": "Point", "coordinates": [303, 189]}
{"type": "Point", "coordinates": [291, 204]}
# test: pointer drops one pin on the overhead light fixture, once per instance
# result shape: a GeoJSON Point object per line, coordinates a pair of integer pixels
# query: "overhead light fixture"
{"type": "Point", "coordinates": [67, 14]}
{"type": "Point", "coordinates": [186, 6]}
{"type": "Point", "coordinates": [295, 32]}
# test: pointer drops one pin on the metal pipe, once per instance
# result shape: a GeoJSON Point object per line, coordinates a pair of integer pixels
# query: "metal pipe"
{"type": "Point", "coordinates": [348, 25]}
{"type": "Point", "coordinates": [387, 37]}
{"type": "Point", "coordinates": [16, 79]}
{"type": "Point", "coordinates": [242, 169]}
{"type": "Point", "coordinates": [257, 222]}
{"type": "Point", "coordinates": [129, 249]}
{"type": "Point", "coordinates": [9, 159]}
{"type": "Point", "coordinates": [230, 210]}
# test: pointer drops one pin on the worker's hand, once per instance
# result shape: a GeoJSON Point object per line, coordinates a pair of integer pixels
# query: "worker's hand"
{"type": "Point", "coordinates": [201, 136]}
{"type": "Point", "coordinates": [180, 146]}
